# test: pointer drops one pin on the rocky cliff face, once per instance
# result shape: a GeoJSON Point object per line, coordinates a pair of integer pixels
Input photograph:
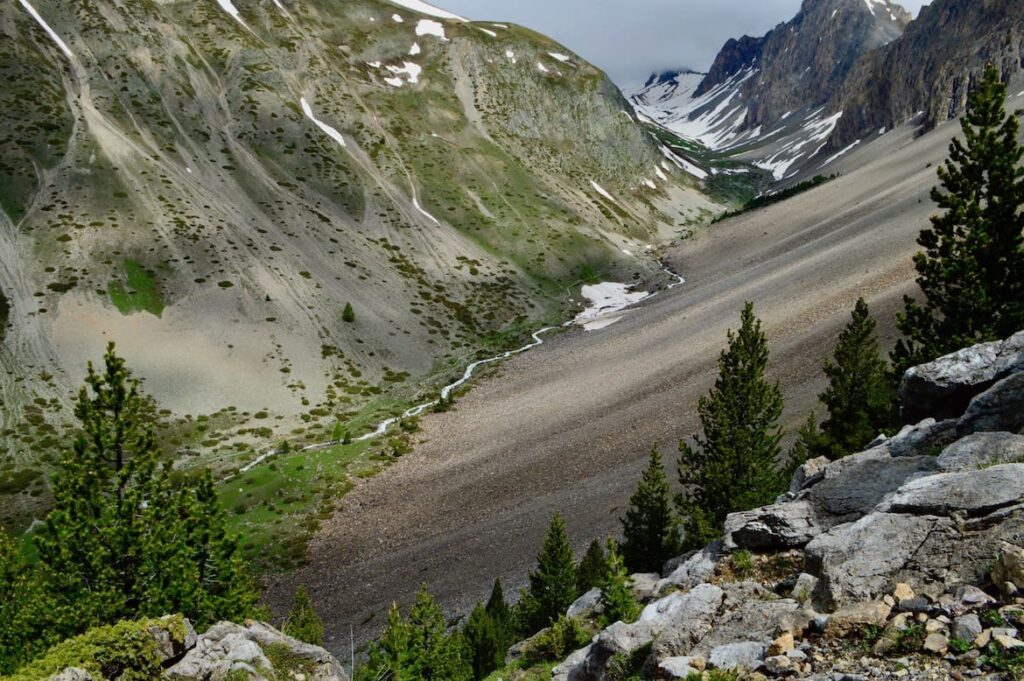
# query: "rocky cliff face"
{"type": "Point", "coordinates": [802, 63]}
{"type": "Point", "coordinates": [930, 69]}
{"type": "Point", "coordinates": [905, 560]}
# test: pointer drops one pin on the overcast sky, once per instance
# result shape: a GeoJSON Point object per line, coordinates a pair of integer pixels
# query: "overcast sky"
{"type": "Point", "coordinates": [632, 38]}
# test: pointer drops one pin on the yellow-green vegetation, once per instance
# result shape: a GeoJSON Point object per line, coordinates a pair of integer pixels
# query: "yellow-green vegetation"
{"type": "Point", "coordinates": [137, 293]}
{"type": "Point", "coordinates": [127, 646]}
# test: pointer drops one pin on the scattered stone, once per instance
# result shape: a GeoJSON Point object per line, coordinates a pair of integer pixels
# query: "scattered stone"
{"type": "Point", "coordinates": [983, 639]}
{"type": "Point", "coordinates": [587, 604]}
{"type": "Point", "coordinates": [778, 665]}
{"type": "Point", "coordinates": [772, 528]}
{"type": "Point", "coordinates": [851, 618]}
{"type": "Point", "coordinates": [804, 587]}
{"type": "Point", "coordinates": [1008, 642]}
{"type": "Point", "coordinates": [915, 604]}
{"type": "Point", "coordinates": [743, 655]}
{"type": "Point", "coordinates": [1010, 566]}
{"type": "Point", "coordinates": [809, 473]}
{"type": "Point", "coordinates": [783, 644]}
{"type": "Point", "coordinates": [677, 667]}
{"type": "Point", "coordinates": [902, 592]}
{"type": "Point", "coordinates": [967, 627]}
{"type": "Point", "coordinates": [968, 598]}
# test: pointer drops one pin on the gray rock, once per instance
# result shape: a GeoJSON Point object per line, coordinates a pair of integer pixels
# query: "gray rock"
{"type": "Point", "coordinates": [571, 668]}
{"type": "Point", "coordinates": [967, 627]}
{"type": "Point", "coordinates": [858, 561]}
{"type": "Point", "coordinates": [228, 647]}
{"type": "Point", "coordinates": [975, 493]}
{"type": "Point", "coordinates": [168, 646]}
{"type": "Point", "coordinates": [1000, 408]}
{"type": "Point", "coordinates": [72, 674]}
{"type": "Point", "coordinates": [696, 569]}
{"type": "Point", "coordinates": [684, 617]}
{"type": "Point", "coordinates": [810, 472]}
{"type": "Point", "coordinates": [854, 485]}
{"type": "Point", "coordinates": [982, 449]}
{"type": "Point", "coordinates": [966, 599]}
{"type": "Point", "coordinates": [772, 528]}
{"type": "Point", "coordinates": [676, 668]}
{"type": "Point", "coordinates": [749, 612]}
{"type": "Point", "coordinates": [804, 588]}
{"type": "Point", "coordinates": [644, 586]}
{"type": "Point", "coordinates": [587, 604]}
{"type": "Point", "coordinates": [944, 388]}
{"type": "Point", "coordinates": [923, 438]}
{"type": "Point", "coordinates": [742, 655]}
{"type": "Point", "coordinates": [1010, 566]}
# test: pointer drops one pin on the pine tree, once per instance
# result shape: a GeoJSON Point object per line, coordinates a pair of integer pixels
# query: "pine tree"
{"type": "Point", "coordinates": [592, 568]}
{"type": "Point", "coordinates": [649, 527]}
{"type": "Point", "coordinates": [123, 541]}
{"type": "Point", "coordinates": [499, 612]}
{"type": "Point", "coordinates": [552, 587]}
{"type": "Point", "coordinates": [434, 653]}
{"type": "Point", "coordinates": [970, 270]}
{"type": "Point", "coordinates": [348, 314]}
{"type": "Point", "coordinates": [22, 609]}
{"type": "Point", "coordinates": [485, 641]}
{"type": "Point", "coordinates": [616, 598]}
{"type": "Point", "coordinates": [808, 441]}
{"type": "Point", "coordinates": [302, 622]}
{"type": "Point", "coordinates": [389, 656]}
{"type": "Point", "coordinates": [860, 397]}
{"type": "Point", "coordinates": [734, 465]}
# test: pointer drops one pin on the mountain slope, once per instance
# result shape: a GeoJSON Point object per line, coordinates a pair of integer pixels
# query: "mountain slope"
{"type": "Point", "coordinates": [209, 183]}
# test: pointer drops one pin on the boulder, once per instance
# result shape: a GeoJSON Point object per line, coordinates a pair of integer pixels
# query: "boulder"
{"type": "Point", "coordinates": [72, 674]}
{"type": "Point", "coordinates": [922, 438]}
{"type": "Point", "coordinates": [854, 485]}
{"type": "Point", "coordinates": [943, 388]}
{"type": "Point", "coordinates": [743, 655]}
{"type": "Point", "coordinates": [772, 528]}
{"type": "Point", "coordinates": [749, 612]}
{"type": "Point", "coordinates": [936, 644]}
{"type": "Point", "coordinates": [172, 645]}
{"type": "Point", "coordinates": [975, 493]}
{"type": "Point", "coordinates": [644, 586]}
{"type": "Point", "coordinates": [859, 561]}
{"type": "Point", "coordinates": [982, 449]}
{"type": "Point", "coordinates": [677, 668]}
{"type": "Point", "coordinates": [1000, 408]}
{"type": "Point", "coordinates": [697, 568]}
{"type": "Point", "coordinates": [587, 604]}
{"type": "Point", "coordinates": [228, 647]}
{"type": "Point", "coordinates": [804, 587]}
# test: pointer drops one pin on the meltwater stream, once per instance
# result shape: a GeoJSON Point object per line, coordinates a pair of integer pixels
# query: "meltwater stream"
{"type": "Point", "coordinates": [607, 300]}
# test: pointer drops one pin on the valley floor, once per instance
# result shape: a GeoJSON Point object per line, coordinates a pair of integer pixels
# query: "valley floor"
{"type": "Point", "coordinates": [567, 427]}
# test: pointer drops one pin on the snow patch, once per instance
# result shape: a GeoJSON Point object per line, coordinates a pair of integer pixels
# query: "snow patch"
{"type": "Point", "coordinates": [542, 68]}
{"type": "Point", "coordinates": [841, 153]}
{"type": "Point", "coordinates": [650, 184]}
{"type": "Point", "coordinates": [600, 190]}
{"type": "Point", "coordinates": [408, 69]}
{"type": "Point", "coordinates": [230, 8]}
{"type": "Point", "coordinates": [397, 18]}
{"type": "Point", "coordinates": [660, 174]}
{"type": "Point", "coordinates": [428, 9]}
{"type": "Point", "coordinates": [416, 204]}
{"type": "Point", "coordinates": [49, 31]}
{"type": "Point", "coordinates": [511, 56]}
{"type": "Point", "coordinates": [331, 132]}
{"type": "Point", "coordinates": [560, 57]}
{"type": "Point", "coordinates": [431, 27]}
{"type": "Point", "coordinates": [414, 50]}
{"type": "Point", "coordinates": [697, 172]}
{"type": "Point", "coordinates": [606, 300]}
{"type": "Point", "coordinates": [488, 31]}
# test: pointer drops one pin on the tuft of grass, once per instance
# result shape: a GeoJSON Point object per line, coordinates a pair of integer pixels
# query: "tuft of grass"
{"type": "Point", "coordinates": [137, 293]}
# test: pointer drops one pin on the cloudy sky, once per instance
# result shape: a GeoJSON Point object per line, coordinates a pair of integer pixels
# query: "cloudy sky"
{"type": "Point", "coordinates": [632, 38]}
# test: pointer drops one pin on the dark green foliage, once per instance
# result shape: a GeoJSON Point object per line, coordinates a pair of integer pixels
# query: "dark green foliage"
{"type": "Point", "coordinates": [552, 586]}
{"type": "Point", "coordinates": [418, 648]}
{"type": "Point", "coordinates": [808, 440]}
{"type": "Point", "coordinates": [649, 528]}
{"type": "Point", "coordinates": [592, 568]}
{"type": "Point", "coordinates": [349, 315]}
{"type": "Point", "coordinates": [769, 199]}
{"type": "Point", "coordinates": [734, 465]}
{"type": "Point", "coordinates": [555, 642]}
{"type": "Point", "coordinates": [302, 622]}
{"type": "Point", "coordinates": [485, 642]}
{"type": "Point", "coordinates": [629, 666]}
{"type": "Point", "coordinates": [497, 609]}
{"type": "Point", "coordinates": [616, 597]}
{"type": "Point", "coordinates": [22, 609]}
{"type": "Point", "coordinates": [123, 541]}
{"type": "Point", "coordinates": [970, 270]}
{"type": "Point", "coordinates": [860, 398]}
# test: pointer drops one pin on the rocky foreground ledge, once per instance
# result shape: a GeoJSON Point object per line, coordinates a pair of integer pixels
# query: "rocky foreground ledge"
{"type": "Point", "coordinates": [904, 561]}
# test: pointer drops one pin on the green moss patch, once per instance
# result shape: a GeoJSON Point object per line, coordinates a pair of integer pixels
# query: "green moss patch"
{"type": "Point", "coordinates": [138, 292]}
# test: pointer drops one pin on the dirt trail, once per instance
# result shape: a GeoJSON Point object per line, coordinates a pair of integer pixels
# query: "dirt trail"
{"type": "Point", "coordinates": [567, 426]}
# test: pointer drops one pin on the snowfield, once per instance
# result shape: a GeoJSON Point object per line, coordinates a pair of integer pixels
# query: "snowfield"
{"type": "Point", "coordinates": [431, 27]}
{"type": "Point", "coordinates": [331, 132]}
{"type": "Point", "coordinates": [46, 27]}
{"type": "Point", "coordinates": [428, 9]}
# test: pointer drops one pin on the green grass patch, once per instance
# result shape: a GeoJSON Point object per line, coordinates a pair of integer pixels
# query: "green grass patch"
{"type": "Point", "coordinates": [137, 293]}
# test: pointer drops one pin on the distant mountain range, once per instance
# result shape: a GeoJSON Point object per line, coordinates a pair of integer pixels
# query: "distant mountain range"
{"type": "Point", "coordinates": [836, 74]}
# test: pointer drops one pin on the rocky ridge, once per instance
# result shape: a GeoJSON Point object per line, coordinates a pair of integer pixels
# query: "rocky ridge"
{"type": "Point", "coordinates": [903, 561]}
